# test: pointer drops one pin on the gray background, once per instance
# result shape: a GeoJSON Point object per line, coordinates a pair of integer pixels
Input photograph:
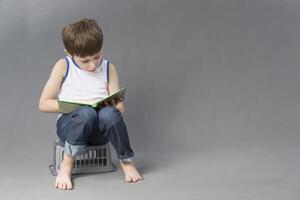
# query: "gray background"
{"type": "Point", "coordinates": [212, 106]}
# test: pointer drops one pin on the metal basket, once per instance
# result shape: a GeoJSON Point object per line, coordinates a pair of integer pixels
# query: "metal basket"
{"type": "Point", "coordinates": [97, 159]}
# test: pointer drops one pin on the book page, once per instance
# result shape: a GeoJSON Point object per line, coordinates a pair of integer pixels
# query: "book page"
{"type": "Point", "coordinates": [84, 102]}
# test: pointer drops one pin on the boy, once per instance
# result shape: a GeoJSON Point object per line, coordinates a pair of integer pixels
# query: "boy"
{"type": "Point", "coordinates": [84, 75]}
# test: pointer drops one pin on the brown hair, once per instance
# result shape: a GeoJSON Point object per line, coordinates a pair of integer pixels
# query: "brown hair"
{"type": "Point", "coordinates": [83, 38]}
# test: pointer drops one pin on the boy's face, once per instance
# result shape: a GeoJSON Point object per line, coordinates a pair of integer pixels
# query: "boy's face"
{"type": "Point", "coordinates": [89, 63]}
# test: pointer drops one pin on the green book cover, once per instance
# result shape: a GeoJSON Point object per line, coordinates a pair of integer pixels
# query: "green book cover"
{"type": "Point", "coordinates": [67, 106]}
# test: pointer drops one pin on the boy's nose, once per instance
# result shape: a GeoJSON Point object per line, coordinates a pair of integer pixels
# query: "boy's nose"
{"type": "Point", "coordinates": [92, 67]}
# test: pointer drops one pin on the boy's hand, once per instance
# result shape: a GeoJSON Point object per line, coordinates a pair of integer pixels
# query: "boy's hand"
{"type": "Point", "coordinates": [116, 103]}
{"type": "Point", "coordinates": [110, 103]}
{"type": "Point", "coordinates": [113, 102]}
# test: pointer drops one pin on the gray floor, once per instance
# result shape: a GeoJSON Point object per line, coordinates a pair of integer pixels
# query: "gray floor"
{"type": "Point", "coordinates": [258, 173]}
{"type": "Point", "coordinates": [212, 107]}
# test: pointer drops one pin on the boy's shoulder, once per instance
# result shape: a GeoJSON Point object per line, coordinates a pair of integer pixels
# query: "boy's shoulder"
{"type": "Point", "coordinates": [62, 63]}
{"type": "Point", "coordinates": [60, 67]}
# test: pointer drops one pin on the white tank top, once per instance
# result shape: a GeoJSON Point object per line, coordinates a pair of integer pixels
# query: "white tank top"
{"type": "Point", "coordinates": [84, 85]}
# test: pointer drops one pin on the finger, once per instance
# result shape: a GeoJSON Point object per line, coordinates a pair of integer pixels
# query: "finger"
{"type": "Point", "coordinates": [120, 99]}
{"type": "Point", "coordinates": [113, 102]}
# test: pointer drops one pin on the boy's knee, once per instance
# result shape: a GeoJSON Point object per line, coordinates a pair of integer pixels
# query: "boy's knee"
{"type": "Point", "coordinates": [87, 114]}
{"type": "Point", "coordinates": [82, 124]}
{"type": "Point", "coordinates": [109, 116]}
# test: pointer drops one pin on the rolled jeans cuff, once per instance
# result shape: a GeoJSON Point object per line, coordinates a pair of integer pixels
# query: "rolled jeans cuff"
{"type": "Point", "coordinates": [126, 159]}
{"type": "Point", "coordinates": [74, 150]}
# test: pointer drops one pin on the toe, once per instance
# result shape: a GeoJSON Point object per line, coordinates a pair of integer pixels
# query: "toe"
{"type": "Point", "coordinates": [134, 179]}
{"type": "Point", "coordinates": [69, 186]}
{"type": "Point", "coordinates": [128, 179]}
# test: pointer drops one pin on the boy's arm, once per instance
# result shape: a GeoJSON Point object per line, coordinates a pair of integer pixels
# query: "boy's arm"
{"type": "Point", "coordinates": [114, 86]}
{"type": "Point", "coordinates": [48, 101]}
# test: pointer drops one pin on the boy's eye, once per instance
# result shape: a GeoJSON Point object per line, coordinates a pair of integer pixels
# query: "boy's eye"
{"type": "Point", "coordinates": [86, 61]}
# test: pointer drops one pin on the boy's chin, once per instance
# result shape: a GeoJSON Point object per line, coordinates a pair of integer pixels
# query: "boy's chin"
{"type": "Point", "coordinates": [90, 70]}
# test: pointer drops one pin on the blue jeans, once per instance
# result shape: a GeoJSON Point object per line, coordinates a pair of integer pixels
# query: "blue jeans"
{"type": "Point", "coordinates": [87, 126]}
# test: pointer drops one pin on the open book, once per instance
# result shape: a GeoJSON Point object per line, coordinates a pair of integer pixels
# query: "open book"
{"type": "Point", "coordinates": [67, 106]}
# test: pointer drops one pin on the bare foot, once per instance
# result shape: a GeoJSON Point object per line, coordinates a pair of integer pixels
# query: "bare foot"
{"type": "Point", "coordinates": [63, 179]}
{"type": "Point", "coordinates": [130, 172]}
